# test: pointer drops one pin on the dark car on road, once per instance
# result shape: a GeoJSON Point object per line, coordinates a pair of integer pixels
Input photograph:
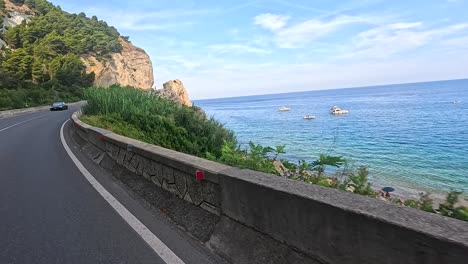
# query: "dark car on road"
{"type": "Point", "coordinates": [59, 106]}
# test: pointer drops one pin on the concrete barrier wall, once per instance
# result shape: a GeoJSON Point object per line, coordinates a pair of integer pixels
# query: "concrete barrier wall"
{"type": "Point", "coordinates": [269, 219]}
{"type": "Point", "coordinates": [168, 169]}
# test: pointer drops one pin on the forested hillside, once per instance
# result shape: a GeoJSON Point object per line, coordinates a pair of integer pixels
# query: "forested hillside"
{"type": "Point", "coordinates": [41, 60]}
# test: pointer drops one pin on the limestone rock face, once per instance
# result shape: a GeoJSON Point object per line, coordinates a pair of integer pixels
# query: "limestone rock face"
{"type": "Point", "coordinates": [20, 8]}
{"type": "Point", "coordinates": [131, 67]}
{"type": "Point", "coordinates": [175, 91]}
{"type": "Point", "coordinates": [14, 18]}
{"type": "Point", "coordinates": [15, 14]}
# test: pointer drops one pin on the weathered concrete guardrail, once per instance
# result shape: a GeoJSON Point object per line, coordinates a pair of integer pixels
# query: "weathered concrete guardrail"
{"type": "Point", "coordinates": [269, 219]}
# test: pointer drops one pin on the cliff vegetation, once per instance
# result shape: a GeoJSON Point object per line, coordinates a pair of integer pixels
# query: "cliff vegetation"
{"type": "Point", "coordinates": [42, 59]}
{"type": "Point", "coordinates": [155, 120]}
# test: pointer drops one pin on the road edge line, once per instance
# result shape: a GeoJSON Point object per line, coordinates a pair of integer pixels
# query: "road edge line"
{"type": "Point", "coordinates": [166, 254]}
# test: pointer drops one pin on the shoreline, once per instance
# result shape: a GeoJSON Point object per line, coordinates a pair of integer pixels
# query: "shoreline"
{"type": "Point", "coordinates": [405, 192]}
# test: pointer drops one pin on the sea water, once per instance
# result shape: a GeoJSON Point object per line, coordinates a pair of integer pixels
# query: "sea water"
{"type": "Point", "coordinates": [409, 135]}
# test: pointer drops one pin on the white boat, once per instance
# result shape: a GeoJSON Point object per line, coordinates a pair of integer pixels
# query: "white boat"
{"type": "Point", "coordinates": [456, 102]}
{"type": "Point", "coordinates": [335, 110]}
{"type": "Point", "coordinates": [309, 117]}
{"type": "Point", "coordinates": [284, 109]}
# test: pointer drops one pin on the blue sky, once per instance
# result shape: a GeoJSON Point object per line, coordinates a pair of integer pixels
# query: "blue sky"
{"type": "Point", "coordinates": [235, 48]}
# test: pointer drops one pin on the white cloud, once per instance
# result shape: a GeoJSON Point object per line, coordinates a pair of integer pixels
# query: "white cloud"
{"type": "Point", "coordinates": [148, 20]}
{"type": "Point", "coordinates": [271, 21]}
{"type": "Point", "coordinates": [237, 49]}
{"type": "Point", "coordinates": [305, 32]}
{"type": "Point", "coordinates": [311, 30]}
{"type": "Point", "coordinates": [178, 61]}
{"type": "Point", "coordinates": [386, 41]}
{"type": "Point", "coordinates": [457, 42]}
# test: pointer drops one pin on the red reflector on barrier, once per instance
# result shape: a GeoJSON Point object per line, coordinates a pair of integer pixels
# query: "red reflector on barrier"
{"type": "Point", "coordinates": [102, 137]}
{"type": "Point", "coordinates": [200, 175]}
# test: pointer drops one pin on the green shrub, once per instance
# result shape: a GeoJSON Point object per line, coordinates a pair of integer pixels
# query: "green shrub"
{"type": "Point", "coordinates": [161, 122]}
{"type": "Point", "coordinates": [23, 98]}
{"type": "Point", "coordinates": [323, 162]}
{"type": "Point", "coordinates": [448, 208]}
{"type": "Point", "coordinates": [424, 203]}
{"type": "Point", "coordinates": [359, 182]}
{"type": "Point", "coordinates": [461, 213]}
{"type": "Point", "coordinates": [256, 157]}
{"type": "Point", "coordinates": [411, 203]}
{"type": "Point", "coordinates": [116, 124]}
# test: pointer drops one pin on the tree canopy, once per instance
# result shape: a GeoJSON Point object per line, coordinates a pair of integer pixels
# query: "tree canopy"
{"type": "Point", "coordinates": [46, 52]}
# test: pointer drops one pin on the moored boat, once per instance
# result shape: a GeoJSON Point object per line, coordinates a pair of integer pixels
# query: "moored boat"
{"type": "Point", "coordinates": [284, 109]}
{"type": "Point", "coordinates": [335, 110]}
{"type": "Point", "coordinates": [309, 117]}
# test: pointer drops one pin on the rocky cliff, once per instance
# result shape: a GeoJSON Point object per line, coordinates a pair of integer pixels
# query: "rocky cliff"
{"type": "Point", "coordinates": [12, 15]}
{"type": "Point", "coordinates": [175, 91]}
{"type": "Point", "coordinates": [16, 14]}
{"type": "Point", "coordinates": [130, 67]}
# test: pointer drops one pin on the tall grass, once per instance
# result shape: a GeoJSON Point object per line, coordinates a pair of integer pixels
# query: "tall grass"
{"type": "Point", "coordinates": [159, 121]}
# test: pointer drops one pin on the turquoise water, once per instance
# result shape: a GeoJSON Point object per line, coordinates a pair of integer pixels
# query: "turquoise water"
{"type": "Point", "coordinates": [409, 135]}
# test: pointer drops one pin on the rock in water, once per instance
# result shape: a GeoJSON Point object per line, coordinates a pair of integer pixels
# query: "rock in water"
{"type": "Point", "coordinates": [175, 91]}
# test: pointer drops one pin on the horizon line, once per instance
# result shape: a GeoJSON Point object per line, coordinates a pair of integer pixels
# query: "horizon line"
{"type": "Point", "coordinates": [330, 89]}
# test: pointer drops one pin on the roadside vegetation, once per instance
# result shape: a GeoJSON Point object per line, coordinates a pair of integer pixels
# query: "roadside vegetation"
{"type": "Point", "coordinates": [148, 118]}
{"type": "Point", "coordinates": [42, 60]}
{"type": "Point", "coordinates": [24, 98]}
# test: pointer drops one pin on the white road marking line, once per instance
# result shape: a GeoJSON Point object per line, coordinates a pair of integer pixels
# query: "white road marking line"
{"type": "Point", "coordinates": [17, 124]}
{"type": "Point", "coordinates": [152, 240]}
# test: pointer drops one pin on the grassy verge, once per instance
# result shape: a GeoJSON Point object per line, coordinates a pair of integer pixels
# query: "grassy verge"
{"type": "Point", "coordinates": [24, 98]}
{"type": "Point", "coordinates": [148, 118]}
{"type": "Point", "coordinates": [116, 124]}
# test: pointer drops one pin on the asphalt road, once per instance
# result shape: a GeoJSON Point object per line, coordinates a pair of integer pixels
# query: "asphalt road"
{"type": "Point", "coordinates": [49, 213]}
